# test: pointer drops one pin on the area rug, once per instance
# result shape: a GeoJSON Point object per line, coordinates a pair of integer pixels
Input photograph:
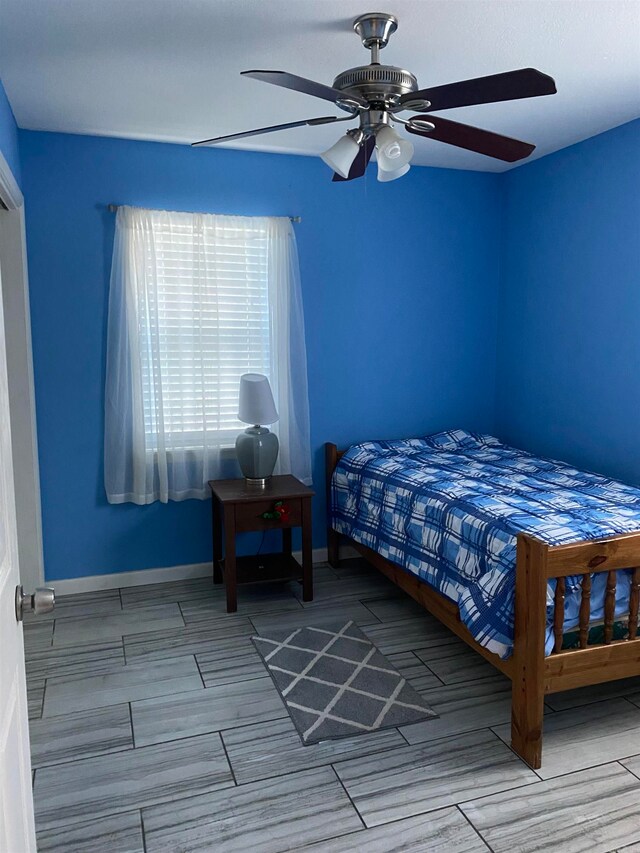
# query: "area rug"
{"type": "Point", "coordinates": [335, 683]}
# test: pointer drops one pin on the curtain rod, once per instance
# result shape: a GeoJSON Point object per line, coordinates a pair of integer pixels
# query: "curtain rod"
{"type": "Point", "coordinates": [113, 208]}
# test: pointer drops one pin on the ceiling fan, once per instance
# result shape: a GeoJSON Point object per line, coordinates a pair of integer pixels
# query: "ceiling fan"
{"type": "Point", "coordinates": [375, 94]}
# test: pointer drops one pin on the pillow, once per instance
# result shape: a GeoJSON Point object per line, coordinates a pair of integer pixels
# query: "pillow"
{"type": "Point", "coordinates": [456, 439]}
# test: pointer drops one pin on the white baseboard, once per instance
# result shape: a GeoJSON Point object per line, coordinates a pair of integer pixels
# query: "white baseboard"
{"type": "Point", "coordinates": [92, 583]}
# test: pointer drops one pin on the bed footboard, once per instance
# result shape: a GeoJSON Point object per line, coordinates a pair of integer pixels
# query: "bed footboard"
{"type": "Point", "coordinates": [533, 674]}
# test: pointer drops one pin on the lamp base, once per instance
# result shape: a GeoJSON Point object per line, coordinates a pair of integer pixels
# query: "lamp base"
{"type": "Point", "coordinates": [257, 482]}
{"type": "Point", "coordinates": [257, 451]}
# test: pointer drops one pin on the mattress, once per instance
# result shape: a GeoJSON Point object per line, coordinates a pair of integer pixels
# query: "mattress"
{"type": "Point", "coordinates": [448, 508]}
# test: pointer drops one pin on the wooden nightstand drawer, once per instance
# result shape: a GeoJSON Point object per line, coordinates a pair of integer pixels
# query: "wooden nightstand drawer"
{"type": "Point", "coordinates": [248, 515]}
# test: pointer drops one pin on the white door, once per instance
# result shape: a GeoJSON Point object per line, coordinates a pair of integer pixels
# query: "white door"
{"type": "Point", "coordinates": [17, 834]}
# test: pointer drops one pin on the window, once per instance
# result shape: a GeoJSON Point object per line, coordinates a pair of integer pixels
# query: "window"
{"type": "Point", "coordinates": [196, 301]}
{"type": "Point", "coordinates": [209, 320]}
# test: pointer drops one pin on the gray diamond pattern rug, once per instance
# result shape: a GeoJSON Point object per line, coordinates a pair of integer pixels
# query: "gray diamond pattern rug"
{"type": "Point", "coordinates": [336, 683]}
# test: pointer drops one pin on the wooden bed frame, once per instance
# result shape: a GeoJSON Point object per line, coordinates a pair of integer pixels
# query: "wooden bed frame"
{"type": "Point", "coordinates": [532, 674]}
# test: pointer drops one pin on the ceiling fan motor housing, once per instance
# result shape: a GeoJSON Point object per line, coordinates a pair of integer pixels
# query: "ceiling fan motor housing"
{"type": "Point", "coordinates": [377, 83]}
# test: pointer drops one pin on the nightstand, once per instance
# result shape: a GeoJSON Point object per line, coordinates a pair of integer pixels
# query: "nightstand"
{"type": "Point", "coordinates": [238, 508]}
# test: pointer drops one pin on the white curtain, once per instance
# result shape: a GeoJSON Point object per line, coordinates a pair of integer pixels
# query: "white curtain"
{"type": "Point", "coordinates": [196, 300]}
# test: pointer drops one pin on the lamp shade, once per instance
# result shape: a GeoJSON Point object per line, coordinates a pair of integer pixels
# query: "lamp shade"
{"type": "Point", "coordinates": [391, 176]}
{"type": "Point", "coordinates": [341, 155]}
{"type": "Point", "coordinates": [256, 400]}
{"type": "Point", "coordinates": [394, 152]}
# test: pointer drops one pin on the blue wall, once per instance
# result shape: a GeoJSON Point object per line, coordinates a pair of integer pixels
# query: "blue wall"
{"type": "Point", "coordinates": [9, 135]}
{"type": "Point", "coordinates": [400, 290]}
{"type": "Point", "coordinates": [569, 354]}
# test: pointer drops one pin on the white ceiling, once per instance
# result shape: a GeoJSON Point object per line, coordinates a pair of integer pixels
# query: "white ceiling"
{"type": "Point", "coordinates": [169, 70]}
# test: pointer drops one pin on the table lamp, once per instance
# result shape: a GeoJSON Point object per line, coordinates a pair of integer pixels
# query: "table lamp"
{"type": "Point", "coordinates": [256, 447]}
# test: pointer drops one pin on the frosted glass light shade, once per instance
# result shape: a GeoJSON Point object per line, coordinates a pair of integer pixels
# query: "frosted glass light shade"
{"type": "Point", "coordinates": [394, 152]}
{"type": "Point", "coordinates": [391, 176]}
{"type": "Point", "coordinates": [256, 400]}
{"type": "Point", "coordinates": [340, 156]}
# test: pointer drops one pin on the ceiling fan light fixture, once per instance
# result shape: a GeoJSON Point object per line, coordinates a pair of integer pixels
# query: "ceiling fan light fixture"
{"type": "Point", "coordinates": [386, 176]}
{"type": "Point", "coordinates": [393, 151]}
{"type": "Point", "coordinates": [341, 155]}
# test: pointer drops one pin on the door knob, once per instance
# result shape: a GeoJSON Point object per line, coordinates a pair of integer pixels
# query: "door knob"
{"type": "Point", "coordinates": [42, 601]}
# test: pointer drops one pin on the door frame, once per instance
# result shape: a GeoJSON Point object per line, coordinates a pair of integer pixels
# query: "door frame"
{"type": "Point", "coordinates": [22, 407]}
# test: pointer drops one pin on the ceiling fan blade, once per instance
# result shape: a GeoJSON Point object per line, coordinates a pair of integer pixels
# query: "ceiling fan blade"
{"type": "Point", "coordinates": [509, 86]}
{"type": "Point", "coordinates": [359, 165]}
{"type": "Point", "coordinates": [260, 130]}
{"type": "Point", "coordinates": [309, 87]}
{"type": "Point", "coordinates": [474, 139]}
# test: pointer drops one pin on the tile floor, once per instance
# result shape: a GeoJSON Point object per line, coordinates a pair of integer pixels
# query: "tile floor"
{"type": "Point", "coordinates": [155, 727]}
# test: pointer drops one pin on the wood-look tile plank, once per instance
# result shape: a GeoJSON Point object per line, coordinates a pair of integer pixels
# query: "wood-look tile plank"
{"type": "Point", "coordinates": [121, 833]}
{"type": "Point", "coordinates": [591, 811]}
{"type": "Point", "coordinates": [400, 783]}
{"type": "Point", "coordinates": [287, 813]}
{"type": "Point", "coordinates": [316, 616]}
{"type": "Point", "coordinates": [35, 697]}
{"type": "Point", "coordinates": [444, 831]}
{"type": "Point", "coordinates": [92, 629]}
{"type": "Point", "coordinates": [463, 708]}
{"type": "Point", "coordinates": [121, 684]}
{"type": "Point", "coordinates": [633, 763]}
{"type": "Point", "coordinates": [405, 635]}
{"type": "Point", "coordinates": [415, 671]}
{"type": "Point", "coordinates": [37, 635]}
{"type": "Point", "coordinates": [593, 693]}
{"type": "Point", "coordinates": [625, 689]}
{"type": "Point", "coordinates": [211, 710]}
{"type": "Point", "coordinates": [354, 567]}
{"type": "Point", "coordinates": [253, 599]}
{"type": "Point", "coordinates": [586, 736]}
{"type": "Point", "coordinates": [92, 658]}
{"type": "Point", "coordinates": [392, 609]}
{"type": "Point", "coordinates": [274, 749]}
{"type": "Point", "coordinates": [231, 664]}
{"type": "Point", "coordinates": [153, 594]}
{"type": "Point", "coordinates": [70, 737]}
{"type": "Point", "coordinates": [456, 663]}
{"type": "Point", "coordinates": [123, 781]}
{"type": "Point", "coordinates": [322, 572]}
{"type": "Point", "coordinates": [354, 588]}
{"type": "Point", "coordinates": [191, 640]}
{"type": "Point", "coordinates": [103, 602]}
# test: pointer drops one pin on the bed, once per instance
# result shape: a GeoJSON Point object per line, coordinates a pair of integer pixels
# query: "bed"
{"type": "Point", "coordinates": [533, 563]}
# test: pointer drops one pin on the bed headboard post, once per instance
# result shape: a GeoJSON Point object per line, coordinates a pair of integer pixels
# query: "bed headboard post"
{"type": "Point", "coordinates": [331, 457]}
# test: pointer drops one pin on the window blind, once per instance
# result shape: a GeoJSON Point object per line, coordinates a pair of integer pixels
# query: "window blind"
{"type": "Point", "coordinates": [204, 324]}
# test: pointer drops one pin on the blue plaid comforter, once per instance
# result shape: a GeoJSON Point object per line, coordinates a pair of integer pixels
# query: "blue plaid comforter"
{"type": "Point", "coordinates": [448, 508]}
